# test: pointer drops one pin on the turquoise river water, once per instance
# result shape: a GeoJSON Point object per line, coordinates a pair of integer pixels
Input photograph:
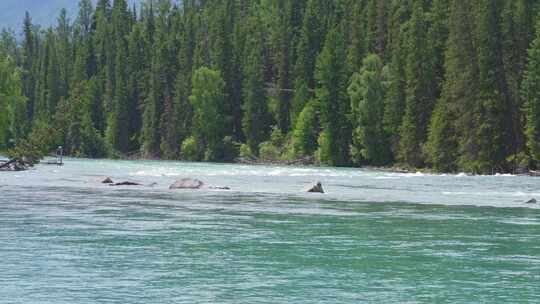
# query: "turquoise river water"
{"type": "Point", "coordinates": [375, 237]}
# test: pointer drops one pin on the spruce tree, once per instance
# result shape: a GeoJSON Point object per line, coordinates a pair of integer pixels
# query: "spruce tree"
{"type": "Point", "coordinates": [491, 140]}
{"type": "Point", "coordinates": [255, 119]}
{"type": "Point", "coordinates": [420, 95]}
{"type": "Point", "coordinates": [531, 95]}
{"type": "Point", "coordinates": [331, 94]}
{"type": "Point", "coordinates": [450, 117]}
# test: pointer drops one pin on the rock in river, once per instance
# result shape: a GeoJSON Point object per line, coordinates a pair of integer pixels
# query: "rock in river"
{"type": "Point", "coordinates": [126, 184]}
{"type": "Point", "coordinates": [315, 188]}
{"type": "Point", "coordinates": [187, 183]}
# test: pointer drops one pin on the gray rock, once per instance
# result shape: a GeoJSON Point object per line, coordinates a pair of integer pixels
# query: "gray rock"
{"type": "Point", "coordinates": [220, 188]}
{"type": "Point", "coordinates": [315, 188]}
{"type": "Point", "coordinates": [125, 184]}
{"type": "Point", "coordinates": [107, 180]}
{"type": "Point", "coordinates": [531, 201]}
{"type": "Point", "coordinates": [187, 183]}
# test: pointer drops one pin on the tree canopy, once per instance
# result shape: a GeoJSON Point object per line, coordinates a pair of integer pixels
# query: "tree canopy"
{"type": "Point", "coordinates": [449, 85]}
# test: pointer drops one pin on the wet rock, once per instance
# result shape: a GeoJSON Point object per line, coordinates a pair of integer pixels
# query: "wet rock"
{"type": "Point", "coordinates": [315, 188]}
{"type": "Point", "coordinates": [107, 180]}
{"type": "Point", "coordinates": [531, 201]}
{"type": "Point", "coordinates": [126, 184]}
{"type": "Point", "coordinates": [152, 184]}
{"type": "Point", "coordinates": [219, 188]}
{"type": "Point", "coordinates": [187, 183]}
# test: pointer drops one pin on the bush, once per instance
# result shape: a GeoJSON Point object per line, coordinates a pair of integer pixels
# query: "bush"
{"type": "Point", "coordinates": [231, 149]}
{"type": "Point", "coordinates": [323, 155]}
{"type": "Point", "coordinates": [191, 149]}
{"type": "Point", "coordinates": [268, 151]}
{"type": "Point", "coordinates": [305, 131]}
{"type": "Point", "coordinates": [245, 151]}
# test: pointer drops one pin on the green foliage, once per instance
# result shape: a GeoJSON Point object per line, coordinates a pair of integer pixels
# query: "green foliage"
{"type": "Point", "coordinates": [209, 119]}
{"type": "Point", "coordinates": [245, 151]}
{"type": "Point", "coordinates": [451, 85]}
{"type": "Point", "coordinates": [256, 117]}
{"type": "Point", "coordinates": [420, 90]}
{"type": "Point", "coordinates": [306, 131]}
{"type": "Point", "coordinates": [531, 95]}
{"type": "Point", "coordinates": [12, 103]}
{"type": "Point", "coordinates": [191, 149]}
{"type": "Point", "coordinates": [367, 92]}
{"type": "Point", "coordinates": [331, 95]}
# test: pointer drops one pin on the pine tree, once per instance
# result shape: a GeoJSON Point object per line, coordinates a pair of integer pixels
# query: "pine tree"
{"type": "Point", "coordinates": [255, 119]}
{"type": "Point", "coordinates": [331, 94]}
{"type": "Point", "coordinates": [531, 95]}
{"type": "Point", "coordinates": [310, 43]}
{"type": "Point", "coordinates": [487, 147]}
{"type": "Point", "coordinates": [12, 102]}
{"type": "Point", "coordinates": [29, 65]}
{"type": "Point", "coordinates": [450, 117]}
{"type": "Point", "coordinates": [420, 95]}
{"type": "Point", "coordinates": [118, 121]}
{"type": "Point", "coordinates": [284, 64]}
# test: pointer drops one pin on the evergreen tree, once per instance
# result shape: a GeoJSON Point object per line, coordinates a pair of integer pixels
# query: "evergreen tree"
{"type": "Point", "coordinates": [29, 64]}
{"type": "Point", "coordinates": [331, 93]}
{"type": "Point", "coordinates": [420, 95]}
{"type": "Point", "coordinates": [450, 117]}
{"type": "Point", "coordinates": [531, 95]}
{"type": "Point", "coordinates": [367, 93]}
{"type": "Point", "coordinates": [310, 43]}
{"type": "Point", "coordinates": [255, 119]}
{"type": "Point", "coordinates": [487, 146]}
{"type": "Point", "coordinates": [118, 120]}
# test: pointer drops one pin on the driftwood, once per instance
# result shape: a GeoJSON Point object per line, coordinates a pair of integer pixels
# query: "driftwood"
{"type": "Point", "coordinates": [8, 163]}
{"type": "Point", "coordinates": [14, 165]}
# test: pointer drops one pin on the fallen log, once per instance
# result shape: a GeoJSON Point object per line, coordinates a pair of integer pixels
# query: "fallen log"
{"type": "Point", "coordinates": [14, 165]}
{"type": "Point", "coordinates": [8, 163]}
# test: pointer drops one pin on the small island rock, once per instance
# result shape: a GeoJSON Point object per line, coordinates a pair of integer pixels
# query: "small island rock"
{"type": "Point", "coordinates": [315, 188]}
{"type": "Point", "coordinates": [107, 180]}
{"type": "Point", "coordinates": [531, 201]}
{"type": "Point", "coordinates": [187, 183]}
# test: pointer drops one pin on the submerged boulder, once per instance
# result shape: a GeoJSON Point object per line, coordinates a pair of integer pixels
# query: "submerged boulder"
{"type": "Point", "coordinates": [531, 201]}
{"type": "Point", "coordinates": [187, 183]}
{"type": "Point", "coordinates": [107, 180]}
{"type": "Point", "coordinates": [126, 184]}
{"type": "Point", "coordinates": [220, 188]}
{"type": "Point", "coordinates": [315, 188]}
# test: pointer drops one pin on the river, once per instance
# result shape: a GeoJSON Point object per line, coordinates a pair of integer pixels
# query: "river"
{"type": "Point", "coordinates": [374, 237]}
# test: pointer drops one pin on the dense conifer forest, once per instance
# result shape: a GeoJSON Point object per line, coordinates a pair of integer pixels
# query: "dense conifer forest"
{"type": "Point", "coordinates": [451, 85]}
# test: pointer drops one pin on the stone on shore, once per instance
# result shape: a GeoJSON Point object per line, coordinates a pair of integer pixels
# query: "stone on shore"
{"type": "Point", "coordinates": [315, 188]}
{"type": "Point", "coordinates": [187, 183]}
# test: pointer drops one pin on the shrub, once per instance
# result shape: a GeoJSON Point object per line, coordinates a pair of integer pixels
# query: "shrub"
{"type": "Point", "coordinates": [191, 149]}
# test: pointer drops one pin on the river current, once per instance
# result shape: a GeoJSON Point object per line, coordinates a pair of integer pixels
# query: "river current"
{"type": "Point", "coordinates": [374, 237]}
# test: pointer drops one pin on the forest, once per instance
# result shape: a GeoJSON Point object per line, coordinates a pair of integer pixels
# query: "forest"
{"type": "Point", "coordinates": [449, 85]}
